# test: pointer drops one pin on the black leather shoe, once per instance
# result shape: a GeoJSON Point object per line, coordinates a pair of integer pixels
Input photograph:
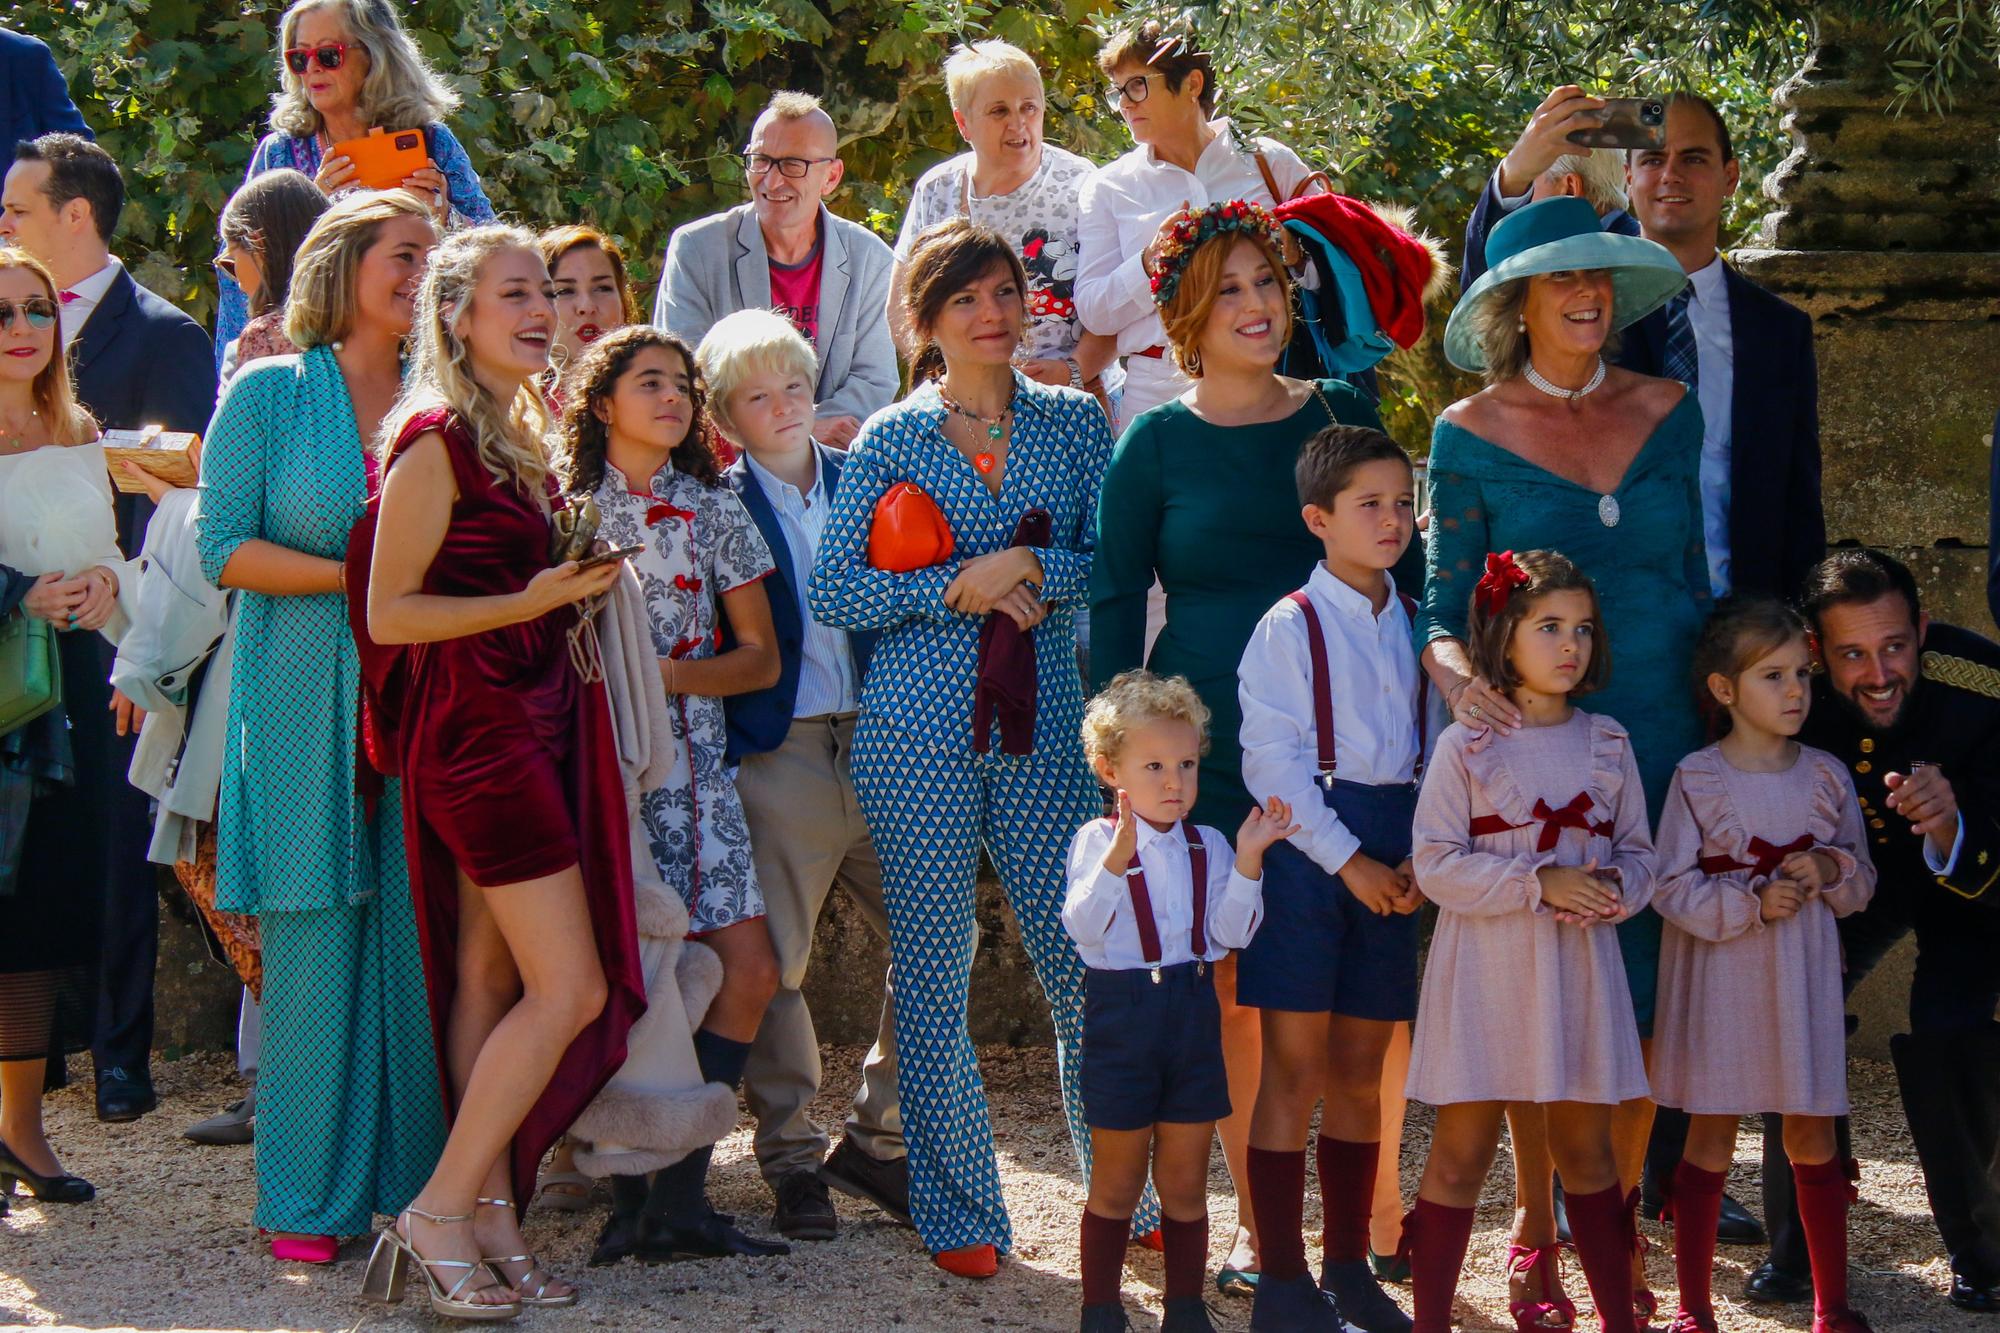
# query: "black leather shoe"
{"type": "Point", "coordinates": [618, 1241]}
{"type": "Point", "coordinates": [1104, 1319]}
{"type": "Point", "coordinates": [1970, 1293]}
{"type": "Point", "coordinates": [1769, 1284]}
{"type": "Point", "coordinates": [1738, 1226]}
{"type": "Point", "coordinates": [1293, 1305]}
{"type": "Point", "coordinates": [1364, 1307]}
{"type": "Point", "coordinates": [710, 1238]}
{"type": "Point", "coordinates": [804, 1212]}
{"type": "Point", "coordinates": [121, 1098]}
{"type": "Point", "coordinates": [1187, 1314]}
{"type": "Point", "coordinates": [48, 1189]}
{"type": "Point", "coordinates": [884, 1184]}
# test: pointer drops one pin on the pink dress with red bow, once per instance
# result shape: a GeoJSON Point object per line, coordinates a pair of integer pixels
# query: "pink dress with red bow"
{"type": "Point", "coordinates": [1750, 1013]}
{"type": "Point", "coordinates": [1517, 1004]}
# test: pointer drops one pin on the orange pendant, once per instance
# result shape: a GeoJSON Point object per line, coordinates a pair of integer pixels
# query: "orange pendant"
{"type": "Point", "coordinates": [984, 463]}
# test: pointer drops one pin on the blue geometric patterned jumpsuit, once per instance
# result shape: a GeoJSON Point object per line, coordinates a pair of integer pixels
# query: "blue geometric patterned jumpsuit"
{"type": "Point", "coordinates": [932, 803]}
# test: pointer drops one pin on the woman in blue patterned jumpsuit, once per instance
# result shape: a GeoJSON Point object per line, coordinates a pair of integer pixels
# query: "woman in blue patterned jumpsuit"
{"type": "Point", "coordinates": [987, 445]}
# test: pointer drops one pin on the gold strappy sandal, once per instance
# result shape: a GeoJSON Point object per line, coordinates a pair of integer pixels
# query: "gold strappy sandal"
{"type": "Point", "coordinates": [539, 1297]}
{"type": "Point", "coordinates": [388, 1275]}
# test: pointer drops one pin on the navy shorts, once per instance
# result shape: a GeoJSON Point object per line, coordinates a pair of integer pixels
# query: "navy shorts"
{"type": "Point", "coordinates": [1319, 950]}
{"type": "Point", "coordinates": [1152, 1051]}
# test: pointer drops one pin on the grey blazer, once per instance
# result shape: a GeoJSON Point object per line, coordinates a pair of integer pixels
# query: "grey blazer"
{"type": "Point", "coordinates": [717, 265]}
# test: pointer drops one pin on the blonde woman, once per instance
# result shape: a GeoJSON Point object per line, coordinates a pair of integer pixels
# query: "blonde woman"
{"type": "Point", "coordinates": [346, 67]}
{"type": "Point", "coordinates": [512, 795]}
{"type": "Point", "coordinates": [348, 1113]}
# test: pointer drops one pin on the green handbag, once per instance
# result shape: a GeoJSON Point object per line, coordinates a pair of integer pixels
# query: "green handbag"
{"type": "Point", "coordinates": [30, 670]}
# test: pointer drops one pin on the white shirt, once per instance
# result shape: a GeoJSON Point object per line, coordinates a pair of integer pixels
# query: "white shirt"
{"type": "Point", "coordinates": [88, 293]}
{"type": "Point", "coordinates": [826, 664]}
{"type": "Point", "coordinates": [1372, 666]}
{"type": "Point", "coordinates": [1098, 911]}
{"type": "Point", "coordinates": [1715, 353]}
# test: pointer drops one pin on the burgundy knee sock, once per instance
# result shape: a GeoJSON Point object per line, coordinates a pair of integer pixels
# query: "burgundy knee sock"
{"type": "Point", "coordinates": [1697, 1201]}
{"type": "Point", "coordinates": [1278, 1201]}
{"type": "Point", "coordinates": [1436, 1236]}
{"type": "Point", "coordinates": [1187, 1255]}
{"type": "Point", "coordinates": [1347, 1195]}
{"type": "Point", "coordinates": [1103, 1256]}
{"type": "Point", "coordinates": [1602, 1224]}
{"type": "Point", "coordinates": [1823, 1200]}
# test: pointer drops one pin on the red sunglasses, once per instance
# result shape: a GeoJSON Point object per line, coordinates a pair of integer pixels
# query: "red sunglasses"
{"type": "Point", "coordinates": [330, 55]}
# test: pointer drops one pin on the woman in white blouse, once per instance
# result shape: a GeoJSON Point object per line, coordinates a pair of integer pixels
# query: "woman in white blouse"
{"type": "Point", "coordinates": [1183, 155]}
{"type": "Point", "coordinates": [60, 563]}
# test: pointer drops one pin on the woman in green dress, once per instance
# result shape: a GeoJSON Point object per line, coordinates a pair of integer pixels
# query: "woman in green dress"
{"type": "Point", "coordinates": [350, 1112]}
{"type": "Point", "coordinates": [1562, 451]}
{"type": "Point", "coordinates": [1200, 495]}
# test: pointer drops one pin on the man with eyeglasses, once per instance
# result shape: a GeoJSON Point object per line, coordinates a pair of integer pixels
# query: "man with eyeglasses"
{"type": "Point", "coordinates": [786, 251]}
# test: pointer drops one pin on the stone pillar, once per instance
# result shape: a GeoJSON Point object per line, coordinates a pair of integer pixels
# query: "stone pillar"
{"type": "Point", "coordinates": [1887, 232]}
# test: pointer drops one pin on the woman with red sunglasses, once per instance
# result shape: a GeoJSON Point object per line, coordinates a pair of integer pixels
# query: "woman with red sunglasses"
{"type": "Point", "coordinates": [346, 67]}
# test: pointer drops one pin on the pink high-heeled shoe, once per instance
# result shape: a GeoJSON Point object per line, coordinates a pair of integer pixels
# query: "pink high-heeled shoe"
{"type": "Point", "coordinates": [305, 1249]}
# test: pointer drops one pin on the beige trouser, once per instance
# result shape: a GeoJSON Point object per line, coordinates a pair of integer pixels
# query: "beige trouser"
{"type": "Point", "coordinates": [806, 835]}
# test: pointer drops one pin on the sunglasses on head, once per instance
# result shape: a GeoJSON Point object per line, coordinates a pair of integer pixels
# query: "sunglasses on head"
{"type": "Point", "coordinates": [39, 311]}
{"type": "Point", "coordinates": [330, 55]}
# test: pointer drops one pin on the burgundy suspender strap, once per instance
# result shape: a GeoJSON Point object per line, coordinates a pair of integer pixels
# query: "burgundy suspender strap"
{"type": "Point", "coordinates": [1322, 683]}
{"type": "Point", "coordinates": [1142, 901]}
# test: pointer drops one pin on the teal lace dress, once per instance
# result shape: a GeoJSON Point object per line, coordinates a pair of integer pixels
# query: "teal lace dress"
{"type": "Point", "coordinates": [1642, 546]}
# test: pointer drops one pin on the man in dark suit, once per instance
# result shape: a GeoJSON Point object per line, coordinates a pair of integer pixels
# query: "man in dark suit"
{"type": "Point", "coordinates": [36, 99]}
{"type": "Point", "coordinates": [136, 361]}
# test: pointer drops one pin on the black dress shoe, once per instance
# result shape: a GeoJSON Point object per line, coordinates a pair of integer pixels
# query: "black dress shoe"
{"type": "Point", "coordinates": [617, 1242]}
{"type": "Point", "coordinates": [884, 1184]}
{"type": "Point", "coordinates": [1769, 1284]}
{"type": "Point", "coordinates": [48, 1189]}
{"type": "Point", "coordinates": [1364, 1306]}
{"type": "Point", "coordinates": [1968, 1292]}
{"type": "Point", "coordinates": [121, 1098]}
{"type": "Point", "coordinates": [1294, 1305]}
{"type": "Point", "coordinates": [661, 1241]}
{"type": "Point", "coordinates": [804, 1211]}
{"type": "Point", "coordinates": [1104, 1319]}
{"type": "Point", "coordinates": [1187, 1314]}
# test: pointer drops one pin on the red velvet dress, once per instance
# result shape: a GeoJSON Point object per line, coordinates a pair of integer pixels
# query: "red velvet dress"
{"type": "Point", "coordinates": [509, 771]}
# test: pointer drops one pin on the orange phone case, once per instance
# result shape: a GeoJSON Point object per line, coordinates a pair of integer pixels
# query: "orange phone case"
{"type": "Point", "coordinates": [383, 160]}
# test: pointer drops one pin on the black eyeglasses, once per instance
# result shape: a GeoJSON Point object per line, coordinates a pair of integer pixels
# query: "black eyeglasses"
{"type": "Point", "coordinates": [1134, 90]}
{"type": "Point", "coordinates": [791, 168]}
{"type": "Point", "coordinates": [39, 311]}
{"type": "Point", "coordinates": [330, 55]}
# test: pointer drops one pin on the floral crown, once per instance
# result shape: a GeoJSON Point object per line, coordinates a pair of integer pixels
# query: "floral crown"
{"type": "Point", "coordinates": [1192, 228]}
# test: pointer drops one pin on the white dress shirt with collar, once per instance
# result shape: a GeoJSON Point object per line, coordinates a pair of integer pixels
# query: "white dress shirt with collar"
{"type": "Point", "coordinates": [88, 293]}
{"type": "Point", "coordinates": [1372, 666]}
{"type": "Point", "coordinates": [826, 664]}
{"type": "Point", "coordinates": [1098, 911]}
{"type": "Point", "coordinates": [1715, 354]}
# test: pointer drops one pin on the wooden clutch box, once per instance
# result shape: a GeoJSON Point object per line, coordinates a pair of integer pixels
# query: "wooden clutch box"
{"type": "Point", "coordinates": [168, 455]}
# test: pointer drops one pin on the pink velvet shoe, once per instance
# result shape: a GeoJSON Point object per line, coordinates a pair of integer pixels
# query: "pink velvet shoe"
{"type": "Point", "coordinates": [305, 1249]}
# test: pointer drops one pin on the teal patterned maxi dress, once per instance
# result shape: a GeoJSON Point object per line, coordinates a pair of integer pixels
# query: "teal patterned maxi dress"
{"type": "Point", "coordinates": [350, 1112]}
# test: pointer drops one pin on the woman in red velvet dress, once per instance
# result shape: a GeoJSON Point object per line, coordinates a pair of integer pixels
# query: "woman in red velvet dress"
{"type": "Point", "coordinates": [514, 811]}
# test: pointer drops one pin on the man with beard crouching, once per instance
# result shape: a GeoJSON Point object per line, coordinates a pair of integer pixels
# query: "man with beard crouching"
{"type": "Point", "coordinates": [1912, 707]}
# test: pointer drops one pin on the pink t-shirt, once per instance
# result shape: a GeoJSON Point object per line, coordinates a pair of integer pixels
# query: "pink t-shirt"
{"type": "Point", "coordinates": [795, 291]}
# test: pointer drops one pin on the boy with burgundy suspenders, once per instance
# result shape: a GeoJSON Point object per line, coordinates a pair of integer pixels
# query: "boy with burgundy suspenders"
{"type": "Point", "coordinates": [1334, 711]}
{"type": "Point", "coordinates": [1153, 900]}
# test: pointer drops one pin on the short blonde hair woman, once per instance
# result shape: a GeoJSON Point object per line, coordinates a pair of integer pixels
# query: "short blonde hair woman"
{"type": "Point", "coordinates": [511, 780]}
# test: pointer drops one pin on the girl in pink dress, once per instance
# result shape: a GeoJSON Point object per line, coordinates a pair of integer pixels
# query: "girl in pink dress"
{"type": "Point", "coordinates": [1761, 847]}
{"type": "Point", "coordinates": [1533, 843]}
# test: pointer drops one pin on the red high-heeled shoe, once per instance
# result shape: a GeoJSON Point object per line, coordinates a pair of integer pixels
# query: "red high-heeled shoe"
{"type": "Point", "coordinates": [1539, 1314]}
{"type": "Point", "coordinates": [973, 1261]}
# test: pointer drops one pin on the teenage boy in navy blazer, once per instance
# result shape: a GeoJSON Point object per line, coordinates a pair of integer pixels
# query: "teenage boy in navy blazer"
{"type": "Point", "coordinates": [792, 744]}
{"type": "Point", "coordinates": [136, 361]}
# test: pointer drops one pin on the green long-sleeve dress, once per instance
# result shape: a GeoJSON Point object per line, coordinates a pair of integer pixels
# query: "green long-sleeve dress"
{"type": "Point", "coordinates": [1212, 512]}
{"type": "Point", "coordinates": [350, 1112]}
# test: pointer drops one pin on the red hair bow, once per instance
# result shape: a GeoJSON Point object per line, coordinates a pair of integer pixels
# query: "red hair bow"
{"type": "Point", "coordinates": [1502, 576]}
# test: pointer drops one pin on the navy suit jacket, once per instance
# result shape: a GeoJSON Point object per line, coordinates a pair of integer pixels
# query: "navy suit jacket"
{"type": "Point", "coordinates": [139, 361]}
{"type": "Point", "coordinates": [1777, 525]}
{"type": "Point", "coordinates": [34, 99]}
{"type": "Point", "coordinates": [1486, 215]}
{"type": "Point", "coordinates": [758, 721]}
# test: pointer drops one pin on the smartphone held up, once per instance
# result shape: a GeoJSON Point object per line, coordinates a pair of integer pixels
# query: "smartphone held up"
{"type": "Point", "coordinates": [1625, 122]}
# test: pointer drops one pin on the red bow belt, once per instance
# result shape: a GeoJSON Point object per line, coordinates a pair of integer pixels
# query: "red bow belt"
{"type": "Point", "coordinates": [1553, 820]}
{"type": "Point", "coordinates": [1764, 857]}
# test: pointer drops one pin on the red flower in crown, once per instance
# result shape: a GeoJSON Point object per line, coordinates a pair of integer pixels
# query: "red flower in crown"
{"type": "Point", "coordinates": [1502, 576]}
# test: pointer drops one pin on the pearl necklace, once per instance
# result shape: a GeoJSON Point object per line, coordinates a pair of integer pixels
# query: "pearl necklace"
{"type": "Point", "coordinates": [1574, 397]}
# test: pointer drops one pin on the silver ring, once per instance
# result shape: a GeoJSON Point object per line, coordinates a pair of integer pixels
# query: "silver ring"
{"type": "Point", "coordinates": [1473, 711]}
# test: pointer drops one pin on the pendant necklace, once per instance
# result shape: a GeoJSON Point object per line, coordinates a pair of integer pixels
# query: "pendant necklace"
{"type": "Point", "coordinates": [996, 427]}
{"type": "Point", "coordinates": [15, 436]}
{"type": "Point", "coordinates": [1574, 397]}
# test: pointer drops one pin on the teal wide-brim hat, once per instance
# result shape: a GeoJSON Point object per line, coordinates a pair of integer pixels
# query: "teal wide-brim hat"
{"type": "Point", "coordinates": [1557, 235]}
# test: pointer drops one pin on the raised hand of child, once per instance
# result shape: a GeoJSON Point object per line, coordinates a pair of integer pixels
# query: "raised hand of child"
{"type": "Point", "coordinates": [1412, 897]}
{"type": "Point", "coordinates": [1781, 899]}
{"type": "Point", "coordinates": [1578, 893]}
{"type": "Point", "coordinates": [1124, 837]}
{"type": "Point", "coordinates": [1267, 823]}
{"type": "Point", "coordinates": [1376, 886]}
{"type": "Point", "coordinates": [1811, 871]}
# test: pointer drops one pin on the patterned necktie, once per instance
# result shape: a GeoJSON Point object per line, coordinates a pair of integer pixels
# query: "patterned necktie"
{"type": "Point", "coordinates": [1682, 362]}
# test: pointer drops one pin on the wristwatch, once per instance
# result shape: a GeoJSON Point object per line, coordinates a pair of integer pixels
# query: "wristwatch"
{"type": "Point", "coordinates": [1075, 374]}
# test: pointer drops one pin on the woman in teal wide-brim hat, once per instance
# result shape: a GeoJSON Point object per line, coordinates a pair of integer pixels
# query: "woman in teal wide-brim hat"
{"type": "Point", "coordinates": [1564, 451]}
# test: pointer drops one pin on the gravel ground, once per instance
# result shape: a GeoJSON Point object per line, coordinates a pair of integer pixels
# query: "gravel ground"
{"type": "Point", "coordinates": [167, 1243]}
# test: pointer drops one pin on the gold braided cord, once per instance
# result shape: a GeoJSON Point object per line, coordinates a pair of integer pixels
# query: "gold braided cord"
{"type": "Point", "coordinates": [1962, 673]}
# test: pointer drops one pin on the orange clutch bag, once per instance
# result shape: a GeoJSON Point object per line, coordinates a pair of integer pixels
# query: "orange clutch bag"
{"type": "Point", "coordinates": [908, 532]}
